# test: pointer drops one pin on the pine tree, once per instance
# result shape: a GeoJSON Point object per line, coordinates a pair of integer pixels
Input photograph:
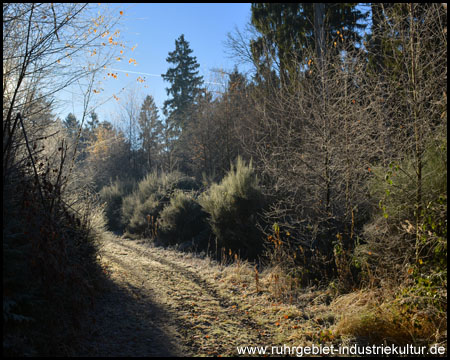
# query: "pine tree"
{"type": "Point", "coordinates": [150, 130]}
{"type": "Point", "coordinates": [236, 82]}
{"type": "Point", "coordinates": [93, 122]}
{"type": "Point", "coordinates": [287, 29]}
{"type": "Point", "coordinates": [185, 84]}
{"type": "Point", "coordinates": [72, 124]}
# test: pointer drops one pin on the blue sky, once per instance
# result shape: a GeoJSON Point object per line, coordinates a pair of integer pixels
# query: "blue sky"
{"type": "Point", "coordinates": [154, 28]}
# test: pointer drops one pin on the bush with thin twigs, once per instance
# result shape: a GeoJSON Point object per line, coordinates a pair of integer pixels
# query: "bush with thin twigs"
{"type": "Point", "coordinates": [413, 256]}
{"type": "Point", "coordinates": [394, 237]}
{"type": "Point", "coordinates": [50, 235]}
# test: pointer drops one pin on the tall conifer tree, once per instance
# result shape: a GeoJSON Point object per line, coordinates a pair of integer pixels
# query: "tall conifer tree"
{"type": "Point", "coordinates": [287, 29]}
{"type": "Point", "coordinates": [185, 85]}
{"type": "Point", "coordinates": [72, 124]}
{"type": "Point", "coordinates": [150, 130]}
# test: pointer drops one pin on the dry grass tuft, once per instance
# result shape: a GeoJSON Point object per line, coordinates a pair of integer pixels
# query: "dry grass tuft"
{"type": "Point", "coordinates": [373, 317]}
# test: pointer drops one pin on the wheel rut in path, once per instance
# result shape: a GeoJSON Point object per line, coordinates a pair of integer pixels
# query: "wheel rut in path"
{"type": "Point", "coordinates": [159, 303]}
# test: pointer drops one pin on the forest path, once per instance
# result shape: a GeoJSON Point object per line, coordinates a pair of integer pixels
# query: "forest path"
{"type": "Point", "coordinates": [163, 303]}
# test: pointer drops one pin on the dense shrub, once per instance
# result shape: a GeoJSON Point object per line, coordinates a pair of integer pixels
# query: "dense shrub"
{"type": "Point", "coordinates": [182, 220]}
{"type": "Point", "coordinates": [129, 203]}
{"type": "Point", "coordinates": [186, 183]}
{"type": "Point", "coordinates": [141, 208]}
{"type": "Point", "coordinates": [233, 206]}
{"type": "Point", "coordinates": [139, 222]}
{"type": "Point", "coordinates": [112, 195]}
{"type": "Point", "coordinates": [50, 270]}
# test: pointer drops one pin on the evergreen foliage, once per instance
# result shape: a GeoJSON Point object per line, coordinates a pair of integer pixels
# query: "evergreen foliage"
{"type": "Point", "coordinates": [185, 84]}
{"type": "Point", "coordinates": [72, 124]}
{"type": "Point", "coordinates": [112, 195]}
{"type": "Point", "coordinates": [142, 207]}
{"type": "Point", "coordinates": [150, 131]}
{"type": "Point", "coordinates": [233, 207]}
{"type": "Point", "coordinates": [182, 220]}
{"type": "Point", "coordinates": [289, 29]}
{"type": "Point", "coordinates": [93, 121]}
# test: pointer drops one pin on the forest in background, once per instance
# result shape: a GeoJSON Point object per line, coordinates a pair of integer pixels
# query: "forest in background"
{"type": "Point", "coordinates": [328, 161]}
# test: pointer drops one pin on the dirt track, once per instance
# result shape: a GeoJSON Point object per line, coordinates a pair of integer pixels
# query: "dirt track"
{"type": "Point", "coordinates": [163, 303]}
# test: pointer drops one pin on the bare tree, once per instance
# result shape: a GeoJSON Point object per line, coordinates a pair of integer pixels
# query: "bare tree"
{"type": "Point", "coordinates": [45, 47]}
{"type": "Point", "coordinates": [409, 104]}
{"type": "Point", "coordinates": [129, 106]}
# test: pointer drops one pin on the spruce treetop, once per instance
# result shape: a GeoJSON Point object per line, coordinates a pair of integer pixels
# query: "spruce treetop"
{"type": "Point", "coordinates": [185, 82]}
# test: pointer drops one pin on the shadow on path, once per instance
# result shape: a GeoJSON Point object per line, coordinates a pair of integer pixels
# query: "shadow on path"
{"type": "Point", "coordinates": [125, 322]}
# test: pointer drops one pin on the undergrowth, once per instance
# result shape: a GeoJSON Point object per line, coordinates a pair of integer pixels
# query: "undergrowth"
{"type": "Point", "coordinates": [50, 272]}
